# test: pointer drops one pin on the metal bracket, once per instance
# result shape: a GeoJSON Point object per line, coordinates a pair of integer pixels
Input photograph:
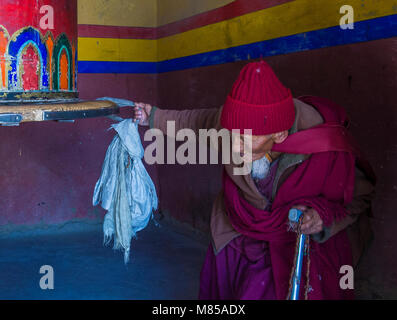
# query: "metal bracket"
{"type": "Point", "coordinates": [10, 119]}
{"type": "Point", "coordinates": [78, 114]}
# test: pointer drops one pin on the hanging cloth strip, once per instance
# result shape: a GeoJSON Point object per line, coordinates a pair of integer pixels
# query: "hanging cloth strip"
{"type": "Point", "coordinates": [125, 189]}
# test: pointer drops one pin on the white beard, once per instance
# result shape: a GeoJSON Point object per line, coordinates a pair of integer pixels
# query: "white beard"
{"type": "Point", "coordinates": [260, 168]}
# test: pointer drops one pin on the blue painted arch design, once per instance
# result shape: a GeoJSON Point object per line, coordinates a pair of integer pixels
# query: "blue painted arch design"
{"type": "Point", "coordinates": [15, 47]}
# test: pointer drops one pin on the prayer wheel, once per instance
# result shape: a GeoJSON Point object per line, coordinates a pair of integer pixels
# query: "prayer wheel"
{"type": "Point", "coordinates": [38, 58]}
{"type": "Point", "coordinates": [38, 49]}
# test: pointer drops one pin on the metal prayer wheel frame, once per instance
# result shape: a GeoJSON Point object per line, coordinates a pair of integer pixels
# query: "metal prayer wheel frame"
{"type": "Point", "coordinates": [14, 115]}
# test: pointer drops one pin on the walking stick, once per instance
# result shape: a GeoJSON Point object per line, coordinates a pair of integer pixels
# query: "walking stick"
{"type": "Point", "coordinates": [294, 216]}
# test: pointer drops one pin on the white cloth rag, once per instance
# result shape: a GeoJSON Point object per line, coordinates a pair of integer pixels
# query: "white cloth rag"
{"type": "Point", "coordinates": [125, 189]}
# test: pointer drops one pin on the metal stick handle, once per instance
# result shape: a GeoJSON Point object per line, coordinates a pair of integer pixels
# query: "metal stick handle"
{"type": "Point", "coordinates": [294, 216]}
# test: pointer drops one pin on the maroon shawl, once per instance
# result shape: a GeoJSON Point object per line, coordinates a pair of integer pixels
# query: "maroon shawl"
{"type": "Point", "coordinates": [325, 182]}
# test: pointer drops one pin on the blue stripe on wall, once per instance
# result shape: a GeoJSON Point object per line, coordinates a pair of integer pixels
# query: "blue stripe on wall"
{"type": "Point", "coordinates": [374, 29]}
{"type": "Point", "coordinates": [116, 67]}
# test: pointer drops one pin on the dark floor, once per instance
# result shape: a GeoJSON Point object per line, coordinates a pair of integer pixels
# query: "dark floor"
{"type": "Point", "coordinates": [164, 265]}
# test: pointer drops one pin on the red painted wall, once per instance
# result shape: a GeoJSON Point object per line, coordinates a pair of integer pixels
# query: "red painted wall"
{"type": "Point", "coordinates": [48, 170]}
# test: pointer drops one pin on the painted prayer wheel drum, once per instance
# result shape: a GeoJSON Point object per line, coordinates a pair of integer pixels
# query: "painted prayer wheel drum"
{"type": "Point", "coordinates": [38, 50]}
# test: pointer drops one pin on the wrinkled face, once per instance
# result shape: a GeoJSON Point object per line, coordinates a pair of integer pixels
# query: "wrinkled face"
{"type": "Point", "coordinates": [259, 145]}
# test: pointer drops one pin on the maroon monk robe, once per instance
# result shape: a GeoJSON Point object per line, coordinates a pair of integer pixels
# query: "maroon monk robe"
{"type": "Point", "coordinates": [243, 267]}
{"type": "Point", "coordinates": [320, 183]}
{"type": "Point", "coordinates": [325, 182]}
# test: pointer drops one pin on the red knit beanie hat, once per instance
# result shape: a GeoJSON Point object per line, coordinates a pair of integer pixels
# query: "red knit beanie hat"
{"type": "Point", "coordinates": [258, 101]}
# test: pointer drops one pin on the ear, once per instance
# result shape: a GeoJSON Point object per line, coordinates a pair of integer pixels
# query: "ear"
{"type": "Point", "coordinates": [280, 136]}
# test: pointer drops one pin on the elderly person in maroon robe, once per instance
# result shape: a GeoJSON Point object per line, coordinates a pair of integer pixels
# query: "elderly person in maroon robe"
{"type": "Point", "coordinates": [302, 157]}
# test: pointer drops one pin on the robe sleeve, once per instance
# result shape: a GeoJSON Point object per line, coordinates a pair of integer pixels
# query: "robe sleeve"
{"type": "Point", "coordinates": [185, 119]}
{"type": "Point", "coordinates": [364, 193]}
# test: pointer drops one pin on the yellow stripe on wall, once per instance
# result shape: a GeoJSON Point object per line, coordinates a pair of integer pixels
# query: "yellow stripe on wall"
{"type": "Point", "coordinates": [291, 18]}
